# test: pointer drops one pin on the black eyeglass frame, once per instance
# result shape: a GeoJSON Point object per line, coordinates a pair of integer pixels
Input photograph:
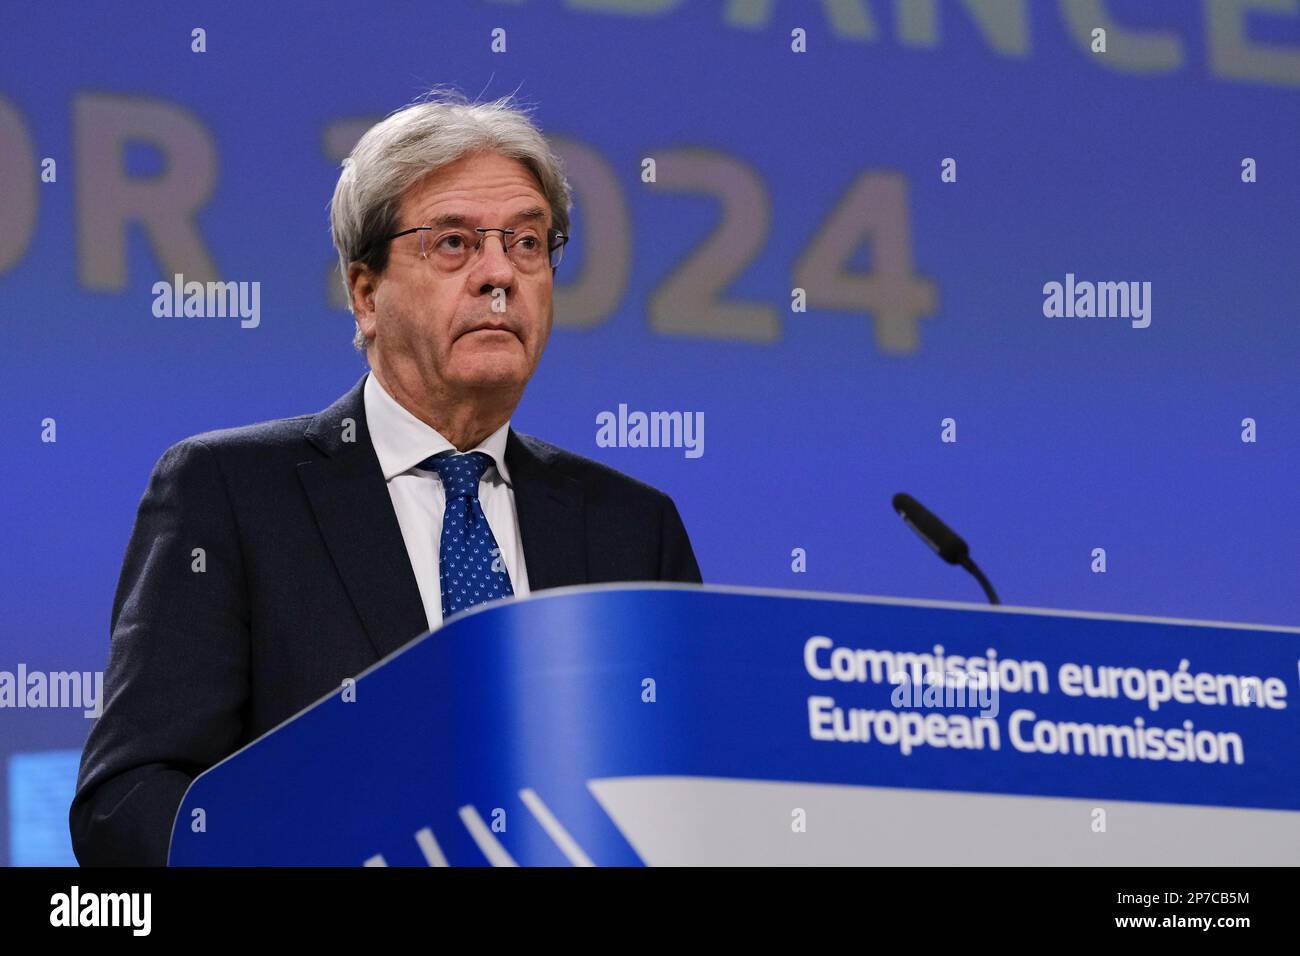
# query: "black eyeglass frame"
{"type": "Point", "coordinates": [552, 235]}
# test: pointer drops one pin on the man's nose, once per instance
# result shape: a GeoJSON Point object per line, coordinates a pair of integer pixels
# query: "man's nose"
{"type": "Point", "coordinates": [492, 265]}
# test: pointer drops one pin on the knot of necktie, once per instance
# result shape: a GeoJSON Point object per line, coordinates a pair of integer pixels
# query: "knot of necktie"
{"type": "Point", "coordinates": [460, 473]}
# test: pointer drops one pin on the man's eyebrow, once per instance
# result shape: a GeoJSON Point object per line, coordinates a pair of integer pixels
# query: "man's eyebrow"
{"type": "Point", "coordinates": [532, 213]}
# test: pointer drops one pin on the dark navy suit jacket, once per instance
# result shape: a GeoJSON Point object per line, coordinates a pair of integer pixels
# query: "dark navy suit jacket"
{"type": "Point", "coordinates": [306, 581]}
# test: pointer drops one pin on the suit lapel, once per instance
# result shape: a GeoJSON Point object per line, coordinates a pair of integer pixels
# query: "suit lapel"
{"type": "Point", "coordinates": [551, 515]}
{"type": "Point", "coordinates": [355, 514]}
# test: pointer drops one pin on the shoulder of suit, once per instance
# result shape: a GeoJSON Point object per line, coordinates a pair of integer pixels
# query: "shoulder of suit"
{"type": "Point", "coordinates": [594, 475]}
{"type": "Point", "coordinates": [259, 437]}
{"type": "Point", "coordinates": [286, 434]}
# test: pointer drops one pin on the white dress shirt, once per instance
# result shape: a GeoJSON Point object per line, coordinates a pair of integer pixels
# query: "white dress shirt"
{"type": "Point", "coordinates": [401, 442]}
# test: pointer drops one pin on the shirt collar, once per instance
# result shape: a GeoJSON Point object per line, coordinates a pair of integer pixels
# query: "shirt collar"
{"type": "Point", "coordinates": [402, 441]}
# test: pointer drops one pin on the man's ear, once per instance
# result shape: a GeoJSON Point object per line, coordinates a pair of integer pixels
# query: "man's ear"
{"type": "Point", "coordinates": [363, 283]}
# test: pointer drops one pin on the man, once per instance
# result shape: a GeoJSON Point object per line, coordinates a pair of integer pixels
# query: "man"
{"type": "Point", "coordinates": [268, 563]}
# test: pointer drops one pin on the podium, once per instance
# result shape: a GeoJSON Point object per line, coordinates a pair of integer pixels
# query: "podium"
{"type": "Point", "coordinates": [665, 724]}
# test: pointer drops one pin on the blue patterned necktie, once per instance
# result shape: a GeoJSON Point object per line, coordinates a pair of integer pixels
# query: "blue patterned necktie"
{"type": "Point", "coordinates": [470, 567]}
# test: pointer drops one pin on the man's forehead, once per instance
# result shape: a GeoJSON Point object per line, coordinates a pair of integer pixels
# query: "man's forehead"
{"type": "Point", "coordinates": [479, 185]}
{"type": "Point", "coordinates": [461, 213]}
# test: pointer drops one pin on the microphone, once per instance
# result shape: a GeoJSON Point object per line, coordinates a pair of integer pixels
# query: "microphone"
{"type": "Point", "coordinates": [945, 542]}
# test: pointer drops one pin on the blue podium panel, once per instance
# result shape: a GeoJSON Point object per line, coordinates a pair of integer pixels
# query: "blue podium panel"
{"type": "Point", "coordinates": [672, 724]}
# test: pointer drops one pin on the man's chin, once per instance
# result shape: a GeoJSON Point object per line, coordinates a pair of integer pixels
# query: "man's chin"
{"type": "Point", "coordinates": [491, 375]}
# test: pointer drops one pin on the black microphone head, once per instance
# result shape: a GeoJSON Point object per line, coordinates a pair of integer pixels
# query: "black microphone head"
{"type": "Point", "coordinates": [945, 542]}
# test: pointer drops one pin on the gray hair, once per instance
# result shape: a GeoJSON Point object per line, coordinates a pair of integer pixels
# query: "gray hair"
{"type": "Point", "coordinates": [438, 129]}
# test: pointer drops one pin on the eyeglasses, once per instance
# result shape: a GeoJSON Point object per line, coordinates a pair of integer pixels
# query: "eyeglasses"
{"type": "Point", "coordinates": [450, 248]}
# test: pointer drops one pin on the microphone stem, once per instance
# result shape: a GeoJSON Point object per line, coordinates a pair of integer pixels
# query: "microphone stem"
{"type": "Point", "coordinates": [973, 568]}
